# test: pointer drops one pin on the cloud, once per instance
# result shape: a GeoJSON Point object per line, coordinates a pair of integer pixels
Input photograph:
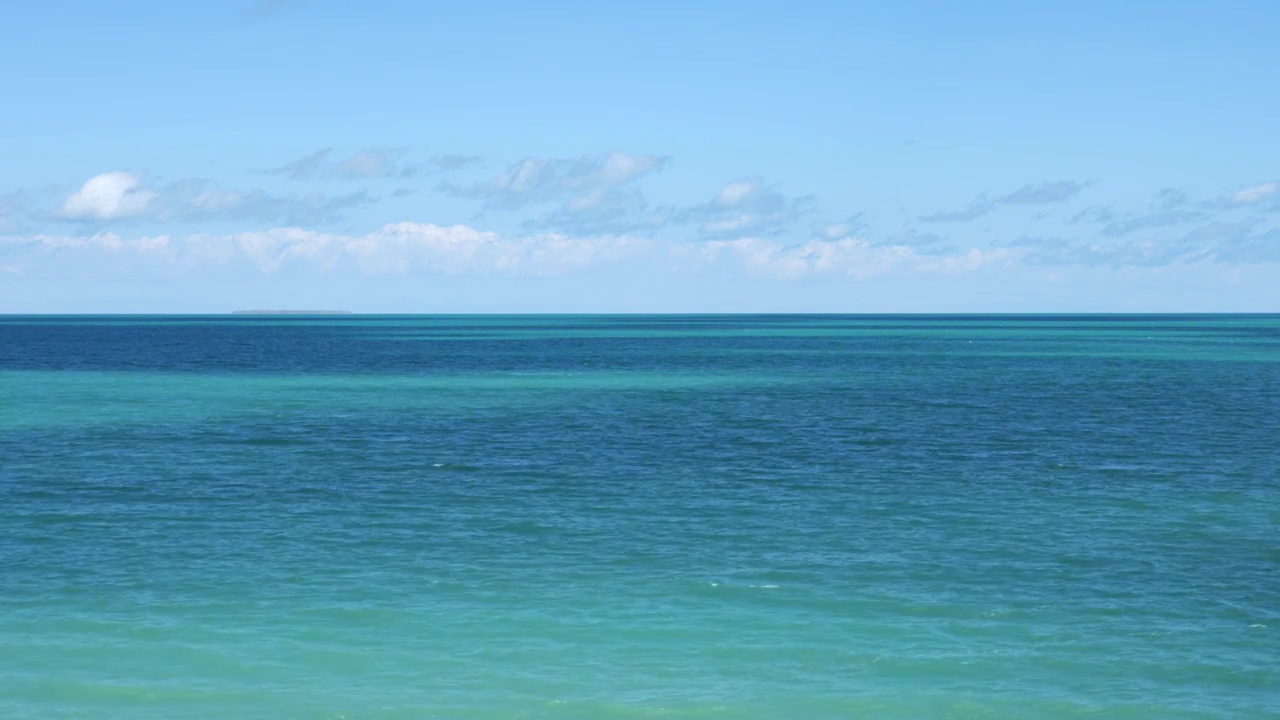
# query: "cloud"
{"type": "Point", "coordinates": [1249, 247]}
{"type": "Point", "coordinates": [1168, 208]}
{"type": "Point", "coordinates": [976, 209]}
{"type": "Point", "coordinates": [850, 257]}
{"type": "Point", "coordinates": [1222, 231]}
{"type": "Point", "coordinates": [590, 195]}
{"type": "Point", "coordinates": [410, 247]}
{"type": "Point", "coordinates": [459, 249]}
{"type": "Point", "coordinates": [746, 206]}
{"type": "Point", "coordinates": [854, 225]}
{"type": "Point", "coordinates": [463, 249]}
{"type": "Point", "coordinates": [1261, 196]}
{"type": "Point", "coordinates": [122, 196]}
{"type": "Point", "coordinates": [1237, 242]}
{"type": "Point", "coordinates": [1031, 194]}
{"type": "Point", "coordinates": [1095, 214]}
{"type": "Point", "coordinates": [923, 242]}
{"type": "Point", "coordinates": [1243, 241]}
{"type": "Point", "coordinates": [9, 203]}
{"type": "Point", "coordinates": [1138, 222]}
{"type": "Point", "coordinates": [306, 167]}
{"type": "Point", "coordinates": [108, 196]}
{"type": "Point", "coordinates": [577, 183]}
{"type": "Point", "coordinates": [596, 194]}
{"type": "Point", "coordinates": [1045, 192]}
{"type": "Point", "coordinates": [1037, 242]}
{"type": "Point", "coordinates": [454, 162]}
{"type": "Point", "coordinates": [1117, 253]}
{"type": "Point", "coordinates": [591, 209]}
{"type": "Point", "coordinates": [201, 200]}
{"type": "Point", "coordinates": [1255, 193]}
{"type": "Point", "coordinates": [365, 164]}
{"type": "Point", "coordinates": [375, 164]}
{"type": "Point", "coordinates": [395, 248]}
{"type": "Point", "coordinates": [618, 211]}
{"type": "Point", "coordinates": [1169, 199]}
{"type": "Point", "coordinates": [102, 241]}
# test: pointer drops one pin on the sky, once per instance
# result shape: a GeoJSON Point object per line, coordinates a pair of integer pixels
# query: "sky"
{"type": "Point", "coordinates": [395, 156]}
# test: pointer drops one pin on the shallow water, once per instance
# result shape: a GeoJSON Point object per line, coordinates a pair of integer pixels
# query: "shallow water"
{"type": "Point", "coordinates": [635, 517]}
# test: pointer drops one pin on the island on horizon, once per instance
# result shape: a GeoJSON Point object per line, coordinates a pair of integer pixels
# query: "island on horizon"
{"type": "Point", "coordinates": [291, 312]}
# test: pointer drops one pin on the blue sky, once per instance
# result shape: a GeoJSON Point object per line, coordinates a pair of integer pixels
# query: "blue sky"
{"type": "Point", "coordinates": [389, 156]}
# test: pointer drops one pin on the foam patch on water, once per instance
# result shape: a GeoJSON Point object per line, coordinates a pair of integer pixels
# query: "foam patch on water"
{"type": "Point", "coordinates": [754, 586]}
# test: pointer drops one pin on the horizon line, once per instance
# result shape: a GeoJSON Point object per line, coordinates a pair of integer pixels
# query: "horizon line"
{"type": "Point", "coordinates": [358, 314]}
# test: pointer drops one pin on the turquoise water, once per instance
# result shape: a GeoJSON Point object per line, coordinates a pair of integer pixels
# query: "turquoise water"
{"type": "Point", "coordinates": [640, 517]}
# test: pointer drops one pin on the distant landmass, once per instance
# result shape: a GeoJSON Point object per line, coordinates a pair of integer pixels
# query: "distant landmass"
{"type": "Point", "coordinates": [291, 312]}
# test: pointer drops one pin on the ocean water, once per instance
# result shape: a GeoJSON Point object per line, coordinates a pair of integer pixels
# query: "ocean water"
{"type": "Point", "coordinates": [787, 517]}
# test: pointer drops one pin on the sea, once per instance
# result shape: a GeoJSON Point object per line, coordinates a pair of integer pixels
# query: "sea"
{"type": "Point", "coordinates": [685, 516]}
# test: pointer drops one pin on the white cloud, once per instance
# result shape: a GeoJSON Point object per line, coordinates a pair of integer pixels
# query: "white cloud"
{"type": "Point", "coordinates": [736, 192]}
{"type": "Point", "coordinates": [460, 249]}
{"type": "Point", "coordinates": [405, 246]}
{"type": "Point", "coordinates": [1255, 193]}
{"type": "Point", "coordinates": [367, 164]}
{"type": "Point", "coordinates": [745, 206]}
{"type": "Point", "coordinates": [1243, 242]}
{"type": "Point", "coordinates": [108, 196]}
{"type": "Point", "coordinates": [588, 195]}
{"type": "Point", "coordinates": [396, 248]}
{"type": "Point", "coordinates": [122, 196]}
{"type": "Point", "coordinates": [1032, 194]}
{"type": "Point", "coordinates": [853, 226]}
{"type": "Point", "coordinates": [103, 241]}
{"type": "Point", "coordinates": [616, 169]}
{"type": "Point", "coordinates": [1042, 193]}
{"type": "Point", "coordinates": [849, 256]}
{"type": "Point", "coordinates": [577, 183]}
